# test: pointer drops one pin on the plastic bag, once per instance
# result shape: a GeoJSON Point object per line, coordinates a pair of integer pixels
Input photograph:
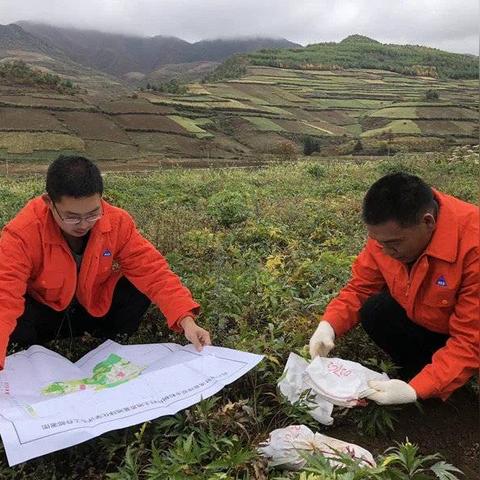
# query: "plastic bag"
{"type": "Point", "coordinates": [286, 447]}
{"type": "Point", "coordinates": [339, 381]}
{"type": "Point", "coordinates": [292, 384]}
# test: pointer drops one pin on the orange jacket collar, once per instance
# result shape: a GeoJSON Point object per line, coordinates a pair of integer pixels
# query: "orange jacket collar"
{"type": "Point", "coordinates": [444, 242]}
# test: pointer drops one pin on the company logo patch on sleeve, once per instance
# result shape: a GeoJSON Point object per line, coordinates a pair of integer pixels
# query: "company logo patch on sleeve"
{"type": "Point", "coordinates": [107, 253]}
{"type": "Point", "coordinates": [441, 282]}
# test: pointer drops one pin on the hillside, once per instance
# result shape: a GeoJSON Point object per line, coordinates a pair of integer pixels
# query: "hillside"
{"type": "Point", "coordinates": [119, 55]}
{"type": "Point", "coordinates": [358, 51]}
{"type": "Point", "coordinates": [16, 44]}
{"type": "Point", "coordinates": [266, 111]}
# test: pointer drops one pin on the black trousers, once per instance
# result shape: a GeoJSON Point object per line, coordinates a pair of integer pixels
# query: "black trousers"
{"type": "Point", "coordinates": [410, 346]}
{"type": "Point", "coordinates": [40, 324]}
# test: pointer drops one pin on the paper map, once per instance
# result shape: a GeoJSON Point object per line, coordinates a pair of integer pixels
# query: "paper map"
{"type": "Point", "coordinates": [109, 373]}
{"type": "Point", "coordinates": [48, 403]}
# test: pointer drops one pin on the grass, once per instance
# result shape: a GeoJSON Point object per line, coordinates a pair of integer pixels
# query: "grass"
{"type": "Point", "coordinates": [263, 251]}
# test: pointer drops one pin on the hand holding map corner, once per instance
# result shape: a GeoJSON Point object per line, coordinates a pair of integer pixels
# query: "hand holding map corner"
{"type": "Point", "coordinates": [195, 334]}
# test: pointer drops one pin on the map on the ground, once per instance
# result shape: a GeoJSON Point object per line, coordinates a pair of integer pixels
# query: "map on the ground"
{"type": "Point", "coordinates": [48, 403]}
{"type": "Point", "coordinates": [110, 372]}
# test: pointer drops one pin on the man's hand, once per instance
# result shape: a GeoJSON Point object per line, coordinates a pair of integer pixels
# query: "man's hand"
{"type": "Point", "coordinates": [195, 334]}
{"type": "Point", "coordinates": [391, 392]}
{"type": "Point", "coordinates": [322, 340]}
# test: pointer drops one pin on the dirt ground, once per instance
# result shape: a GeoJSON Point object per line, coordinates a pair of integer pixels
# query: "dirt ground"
{"type": "Point", "coordinates": [450, 428]}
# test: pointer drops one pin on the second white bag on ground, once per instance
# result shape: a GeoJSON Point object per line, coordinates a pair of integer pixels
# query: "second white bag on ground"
{"type": "Point", "coordinates": [288, 446]}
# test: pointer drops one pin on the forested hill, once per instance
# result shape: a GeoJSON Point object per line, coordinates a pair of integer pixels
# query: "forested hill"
{"type": "Point", "coordinates": [357, 51]}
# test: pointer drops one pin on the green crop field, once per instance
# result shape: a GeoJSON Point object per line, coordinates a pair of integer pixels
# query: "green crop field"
{"type": "Point", "coordinates": [27, 142]}
{"type": "Point", "coordinates": [264, 124]}
{"type": "Point", "coordinates": [190, 126]}
{"type": "Point", "coordinates": [395, 127]}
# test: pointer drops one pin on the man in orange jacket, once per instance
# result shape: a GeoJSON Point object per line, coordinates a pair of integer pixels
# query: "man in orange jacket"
{"type": "Point", "coordinates": [72, 263]}
{"type": "Point", "coordinates": [414, 288]}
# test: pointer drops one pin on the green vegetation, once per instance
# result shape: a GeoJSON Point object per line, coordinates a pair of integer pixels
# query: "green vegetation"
{"type": "Point", "coordinates": [233, 67]}
{"type": "Point", "coordinates": [264, 124]}
{"type": "Point", "coordinates": [191, 126]}
{"type": "Point", "coordinates": [263, 251]}
{"type": "Point", "coordinates": [395, 128]}
{"type": "Point", "coordinates": [172, 86]}
{"type": "Point", "coordinates": [19, 73]}
{"type": "Point", "coordinates": [27, 142]}
{"type": "Point", "coordinates": [362, 52]}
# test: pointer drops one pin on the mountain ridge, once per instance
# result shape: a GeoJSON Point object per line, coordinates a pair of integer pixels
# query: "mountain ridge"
{"type": "Point", "coordinates": [120, 54]}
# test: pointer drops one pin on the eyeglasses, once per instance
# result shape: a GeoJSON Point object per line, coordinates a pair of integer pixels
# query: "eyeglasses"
{"type": "Point", "coordinates": [76, 220]}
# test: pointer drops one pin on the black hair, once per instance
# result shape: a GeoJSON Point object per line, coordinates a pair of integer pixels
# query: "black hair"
{"type": "Point", "coordinates": [401, 197]}
{"type": "Point", "coordinates": [73, 176]}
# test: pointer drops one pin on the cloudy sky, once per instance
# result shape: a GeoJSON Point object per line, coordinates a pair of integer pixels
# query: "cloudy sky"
{"type": "Point", "coordinates": [451, 25]}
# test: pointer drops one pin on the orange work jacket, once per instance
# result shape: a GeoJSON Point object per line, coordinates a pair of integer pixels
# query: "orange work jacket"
{"type": "Point", "coordinates": [36, 259]}
{"type": "Point", "coordinates": [440, 293]}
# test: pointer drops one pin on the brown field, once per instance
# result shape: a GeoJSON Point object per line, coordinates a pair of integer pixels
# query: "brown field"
{"type": "Point", "coordinates": [150, 123]}
{"type": "Point", "coordinates": [264, 143]}
{"type": "Point", "coordinates": [158, 142]}
{"type": "Point", "coordinates": [447, 127]}
{"type": "Point", "coordinates": [50, 103]}
{"type": "Point", "coordinates": [270, 95]}
{"type": "Point", "coordinates": [23, 119]}
{"type": "Point", "coordinates": [93, 126]}
{"type": "Point", "coordinates": [130, 105]}
{"type": "Point", "coordinates": [447, 113]}
{"type": "Point", "coordinates": [102, 150]}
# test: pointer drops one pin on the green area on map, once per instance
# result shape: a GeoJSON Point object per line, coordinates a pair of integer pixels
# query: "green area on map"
{"type": "Point", "coordinates": [109, 373]}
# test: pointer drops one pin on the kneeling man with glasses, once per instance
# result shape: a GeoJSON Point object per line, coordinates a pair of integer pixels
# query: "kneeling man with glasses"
{"type": "Point", "coordinates": [72, 263]}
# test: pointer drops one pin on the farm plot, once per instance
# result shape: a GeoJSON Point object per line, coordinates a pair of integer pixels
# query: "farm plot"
{"type": "Point", "coordinates": [158, 142]}
{"type": "Point", "coordinates": [48, 103]}
{"type": "Point", "coordinates": [449, 113]}
{"type": "Point", "coordinates": [150, 123]}
{"type": "Point", "coordinates": [397, 127]}
{"type": "Point", "coordinates": [28, 142]}
{"type": "Point", "coordinates": [27, 119]}
{"type": "Point", "coordinates": [93, 126]}
{"type": "Point", "coordinates": [263, 124]}
{"type": "Point", "coordinates": [117, 107]}
{"type": "Point", "coordinates": [396, 112]}
{"type": "Point", "coordinates": [447, 127]}
{"type": "Point", "coordinates": [103, 150]}
{"type": "Point", "coordinates": [191, 126]}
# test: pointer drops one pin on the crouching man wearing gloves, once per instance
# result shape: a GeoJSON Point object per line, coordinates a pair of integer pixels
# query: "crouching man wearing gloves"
{"type": "Point", "coordinates": [414, 288]}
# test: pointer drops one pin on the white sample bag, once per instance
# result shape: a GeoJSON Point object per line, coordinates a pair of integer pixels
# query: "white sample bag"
{"type": "Point", "coordinates": [339, 381]}
{"type": "Point", "coordinates": [292, 384]}
{"type": "Point", "coordinates": [287, 447]}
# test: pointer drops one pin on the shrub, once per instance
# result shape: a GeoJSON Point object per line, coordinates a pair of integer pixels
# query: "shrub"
{"type": "Point", "coordinates": [317, 171]}
{"type": "Point", "coordinates": [228, 208]}
{"type": "Point", "coordinates": [310, 145]}
{"type": "Point", "coordinates": [431, 95]}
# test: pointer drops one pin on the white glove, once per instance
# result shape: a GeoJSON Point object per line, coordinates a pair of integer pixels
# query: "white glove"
{"type": "Point", "coordinates": [322, 340]}
{"type": "Point", "coordinates": [391, 392]}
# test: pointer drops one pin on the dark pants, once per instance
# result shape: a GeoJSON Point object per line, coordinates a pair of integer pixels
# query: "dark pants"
{"type": "Point", "coordinates": [409, 345]}
{"type": "Point", "coordinates": [40, 324]}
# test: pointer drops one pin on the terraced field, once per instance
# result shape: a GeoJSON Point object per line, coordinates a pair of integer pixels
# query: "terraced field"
{"type": "Point", "coordinates": [245, 117]}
